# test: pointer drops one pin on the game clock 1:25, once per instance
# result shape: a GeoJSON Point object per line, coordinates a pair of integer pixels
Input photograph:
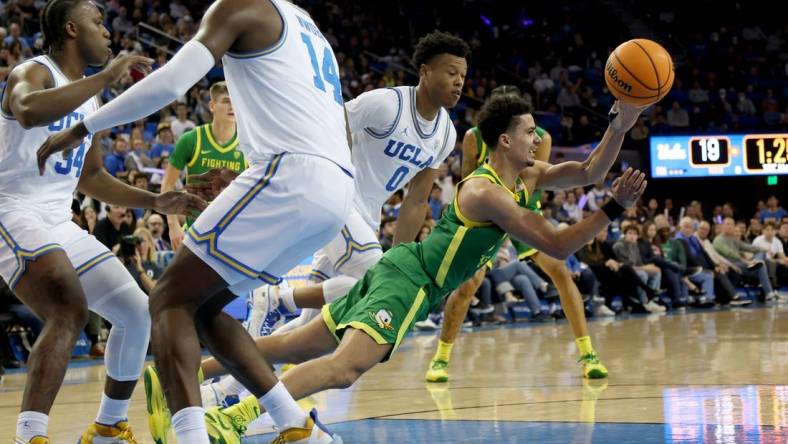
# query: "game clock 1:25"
{"type": "Point", "coordinates": [766, 152]}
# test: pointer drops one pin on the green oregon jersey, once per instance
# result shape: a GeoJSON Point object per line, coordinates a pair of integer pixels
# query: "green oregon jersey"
{"type": "Point", "coordinates": [457, 246]}
{"type": "Point", "coordinates": [533, 201]}
{"type": "Point", "coordinates": [198, 152]}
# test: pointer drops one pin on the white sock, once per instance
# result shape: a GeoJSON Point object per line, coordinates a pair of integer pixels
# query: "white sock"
{"type": "Point", "coordinates": [231, 386]}
{"type": "Point", "coordinates": [286, 297]}
{"type": "Point", "coordinates": [337, 287]}
{"type": "Point", "coordinates": [111, 411]}
{"type": "Point", "coordinates": [30, 424]}
{"type": "Point", "coordinates": [282, 408]}
{"type": "Point", "coordinates": [189, 425]}
{"type": "Point", "coordinates": [244, 394]}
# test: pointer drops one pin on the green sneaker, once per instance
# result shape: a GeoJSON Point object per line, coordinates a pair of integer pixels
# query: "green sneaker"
{"type": "Point", "coordinates": [438, 372]}
{"type": "Point", "coordinates": [159, 419]}
{"type": "Point", "coordinates": [227, 425]}
{"type": "Point", "coordinates": [592, 367]}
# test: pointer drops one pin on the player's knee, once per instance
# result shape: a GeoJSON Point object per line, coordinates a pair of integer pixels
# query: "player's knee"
{"type": "Point", "coordinates": [345, 372]}
{"type": "Point", "coordinates": [66, 306]}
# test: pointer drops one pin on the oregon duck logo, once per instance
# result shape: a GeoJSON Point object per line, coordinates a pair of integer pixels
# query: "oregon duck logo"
{"type": "Point", "coordinates": [382, 318]}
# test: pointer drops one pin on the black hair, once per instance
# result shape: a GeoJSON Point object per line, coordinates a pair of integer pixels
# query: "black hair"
{"type": "Point", "coordinates": [498, 115]}
{"type": "Point", "coordinates": [54, 16]}
{"type": "Point", "coordinates": [505, 89]}
{"type": "Point", "coordinates": [437, 43]}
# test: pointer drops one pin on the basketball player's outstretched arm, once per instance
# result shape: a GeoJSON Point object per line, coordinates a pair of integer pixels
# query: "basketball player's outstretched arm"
{"type": "Point", "coordinates": [33, 102]}
{"type": "Point", "coordinates": [481, 200]}
{"type": "Point", "coordinates": [414, 206]}
{"type": "Point", "coordinates": [573, 174]}
{"type": "Point", "coordinates": [96, 182]}
{"type": "Point", "coordinates": [241, 24]}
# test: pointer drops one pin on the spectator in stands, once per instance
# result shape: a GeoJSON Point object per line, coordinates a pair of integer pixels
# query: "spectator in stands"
{"type": "Point", "coordinates": [137, 157]}
{"type": "Point", "coordinates": [181, 123]}
{"type": "Point", "coordinates": [573, 212]}
{"type": "Point", "coordinates": [89, 218]}
{"type": "Point", "coordinates": [754, 230]}
{"type": "Point", "coordinates": [598, 196]}
{"type": "Point", "coordinates": [776, 260]}
{"type": "Point", "coordinates": [614, 277]}
{"type": "Point", "coordinates": [155, 224]}
{"type": "Point", "coordinates": [782, 234]}
{"type": "Point", "coordinates": [164, 145]}
{"type": "Point", "coordinates": [509, 275]}
{"type": "Point", "coordinates": [733, 249]}
{"type": "Point", "coordinates": [773, 211]}
{"type": "Point", "coordinates": [121, 23]}
{"type": "Point", "coordinates": [628, 253]}
{"type": "Point", "coordinates": [724, 291]}
{"type": "Point", "coordinates": [434, 201]}
{"type": "Point", "coordinates": [388, 226]}
{"type": "Point", "coordinates": [678, 117]}
{"type": "Point", "coordinates": [114, 162]}
{"type": "Point", "coordinates": [110, 229]}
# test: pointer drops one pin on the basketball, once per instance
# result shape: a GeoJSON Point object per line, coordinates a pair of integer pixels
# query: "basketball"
{"type": "Point", "coordinates": [639, 72]}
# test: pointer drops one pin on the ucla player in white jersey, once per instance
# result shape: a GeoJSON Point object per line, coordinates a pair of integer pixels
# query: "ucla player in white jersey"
{"type": "Point", "coordinates": [294, 198]}
{"type": "Point", "coordinates": [400, 135]}
{"type": "Point", "coordinates": [56, 268]}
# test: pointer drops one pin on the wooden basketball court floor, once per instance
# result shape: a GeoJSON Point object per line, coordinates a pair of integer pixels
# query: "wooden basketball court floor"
{"type": "Point", "coordinates": [717, 376]}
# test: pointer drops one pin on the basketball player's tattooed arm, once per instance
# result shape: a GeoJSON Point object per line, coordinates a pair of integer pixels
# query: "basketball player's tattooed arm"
{"type": "Point", "coordinates": [414, 206]}
{"type": "Point", "coordinates": [32, 100]}
{"type": "Point", "coordinates": [96, 182]}
{"type": "Point", "coordinates": [243, 25]}
{"type": "Point", "coordinates": [595, 167]}
{"type": "Point", "coordinates": [483, 201]}
{"type": "Point", "coordinates": [469, 153]}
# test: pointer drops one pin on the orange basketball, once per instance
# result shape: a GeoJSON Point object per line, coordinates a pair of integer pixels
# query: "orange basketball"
{"type": "Point", "coordinates": [639, 72]}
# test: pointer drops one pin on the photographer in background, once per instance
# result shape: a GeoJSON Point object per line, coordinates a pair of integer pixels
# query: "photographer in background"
{"type": "Point", "coordinates": [137, 254]}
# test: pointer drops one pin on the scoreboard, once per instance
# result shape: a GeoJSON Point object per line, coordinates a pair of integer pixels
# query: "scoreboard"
{"type": "Point", "coordinates": [718, 155]}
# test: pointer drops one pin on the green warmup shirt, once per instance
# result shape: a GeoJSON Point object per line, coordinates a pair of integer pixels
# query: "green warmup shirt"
{"type": "Point", "coordinates": [198, 152]}
{"type": "Point", "coordinates": [413, 279]}
{"type": "Point", "coordinates": [534, 201]}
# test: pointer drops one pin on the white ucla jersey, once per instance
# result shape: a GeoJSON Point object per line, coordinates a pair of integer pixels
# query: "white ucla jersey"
{"type": "Point", "coordinates": [20, 181]}
{"type": "Point", "coordinates": [288, 98]}
{"type": "Point", "coordinates": [392, 143]}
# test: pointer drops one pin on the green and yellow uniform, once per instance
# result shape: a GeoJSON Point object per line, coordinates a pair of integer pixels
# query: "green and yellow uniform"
{"type": "Point", "coordinates": [198, 152]}
{"type": "Point", "coordinates": [533, 200]}
{"type": "Point", "coordinates": [413, 279]}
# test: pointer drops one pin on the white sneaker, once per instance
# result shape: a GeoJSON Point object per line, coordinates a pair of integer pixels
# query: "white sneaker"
{"type": "Point", "coordinates": [211, 395]}
{"type": "Point", "coordinates": [740, 299]}
{"type": "Point", "coordinates": [426, 324]}
{"type": "Point", "coordinates": [781, 296]}
{"type": "Point", "coordinates": [264, 315]}
{"type": "Point", "coordinates": [653, 307]}
{"type": "Point", "coordinates": [605, 311]}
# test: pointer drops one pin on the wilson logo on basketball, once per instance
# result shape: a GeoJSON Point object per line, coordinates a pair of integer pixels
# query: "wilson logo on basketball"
{"type": "Point", "coordinates": [613, 73]}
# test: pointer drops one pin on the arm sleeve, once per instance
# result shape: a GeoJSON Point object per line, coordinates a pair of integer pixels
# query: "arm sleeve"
{"type": "Point", "coordinates": [377, 110]}
{"type": "Point", "coordinates": [184, 150]}
{"type": "Point", "coordinates": [157, 90]}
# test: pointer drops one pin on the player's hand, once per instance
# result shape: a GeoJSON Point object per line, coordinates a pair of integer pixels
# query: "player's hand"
{"type": "Point", "coordinates": [628, 188]}
{"type": "Point", "coordinates": [208, 185]}
{"type": "Point", "coordinates": [623, 116]}
{"type": "Point", "coordinates": [120, 66]}
{"type": "Point", "coordinates": [65, 141]}
{"type": "Point", "coordinates": [176, 236]}
{"type": "Point", "coordinates": [178, 202]}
